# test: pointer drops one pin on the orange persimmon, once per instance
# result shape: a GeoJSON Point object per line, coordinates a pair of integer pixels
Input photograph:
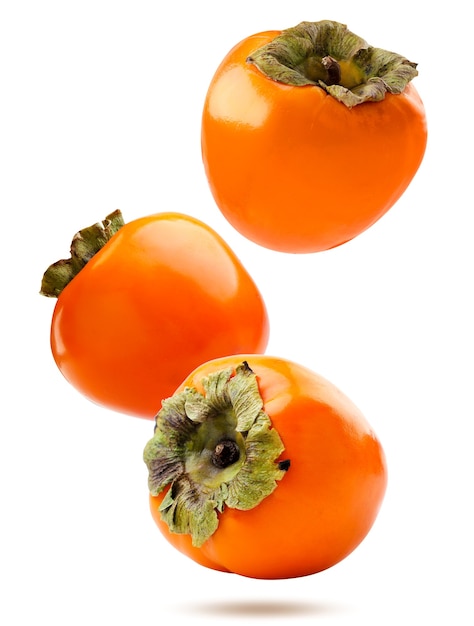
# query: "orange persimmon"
{"type": "Point", "coordinates": [309, 135]}
{"type": "Point", "coordinates": [141, 304]}
{"type": "Point", "coordinates": [261, 467]}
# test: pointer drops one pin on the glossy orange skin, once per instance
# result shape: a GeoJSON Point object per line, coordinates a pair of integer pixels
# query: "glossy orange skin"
{"type": "Point", "coordinates": [165, 294]}
{"type": "Point", "coordinates": [293, 169]}
{"type": "Point", "coordinates": [327, 501]}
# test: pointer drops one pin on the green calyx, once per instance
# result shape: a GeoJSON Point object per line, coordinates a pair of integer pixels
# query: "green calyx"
{"type": "Point", "coordinates": [327, 55]}
{"type": "Point", "coordinates": [85, 244]}
{"type": "Point", "coordinates": [213, 450]}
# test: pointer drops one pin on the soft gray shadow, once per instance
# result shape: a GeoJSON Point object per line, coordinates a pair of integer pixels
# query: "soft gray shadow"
{"type": "Point", "coordinates": [257, 608]}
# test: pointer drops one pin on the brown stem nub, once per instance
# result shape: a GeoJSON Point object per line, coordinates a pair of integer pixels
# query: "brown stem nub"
{"type": "Point", "coordinates": [226, 453]}
{"type": "Point", "coordinates": [333, 70]}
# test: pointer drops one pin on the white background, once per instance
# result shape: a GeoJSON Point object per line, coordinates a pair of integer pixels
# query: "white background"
{"type": "Point", "coordinates": [100, 108]}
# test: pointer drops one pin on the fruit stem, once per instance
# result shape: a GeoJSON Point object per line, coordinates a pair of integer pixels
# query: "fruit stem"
{"type": "Point", "coordinates": [333, 70]}
{"type": "Point", "coordinates": [226, 453]}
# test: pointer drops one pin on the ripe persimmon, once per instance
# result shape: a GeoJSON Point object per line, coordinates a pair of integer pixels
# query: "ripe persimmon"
{"type": "Point", "coordinates": [261, 467]}
{"type": "Point", "coordinates": [309, 135]}
{"type": "Point", "coordinates": [141, 304]}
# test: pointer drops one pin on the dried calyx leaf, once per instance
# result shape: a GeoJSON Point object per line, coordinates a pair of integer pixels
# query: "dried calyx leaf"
{"type": "Point", "coordinates": [328, 55]}
{"type": "Point", "coordinates": [211, 451]}
{"type": "Point", "coordinates": [85, 244]}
